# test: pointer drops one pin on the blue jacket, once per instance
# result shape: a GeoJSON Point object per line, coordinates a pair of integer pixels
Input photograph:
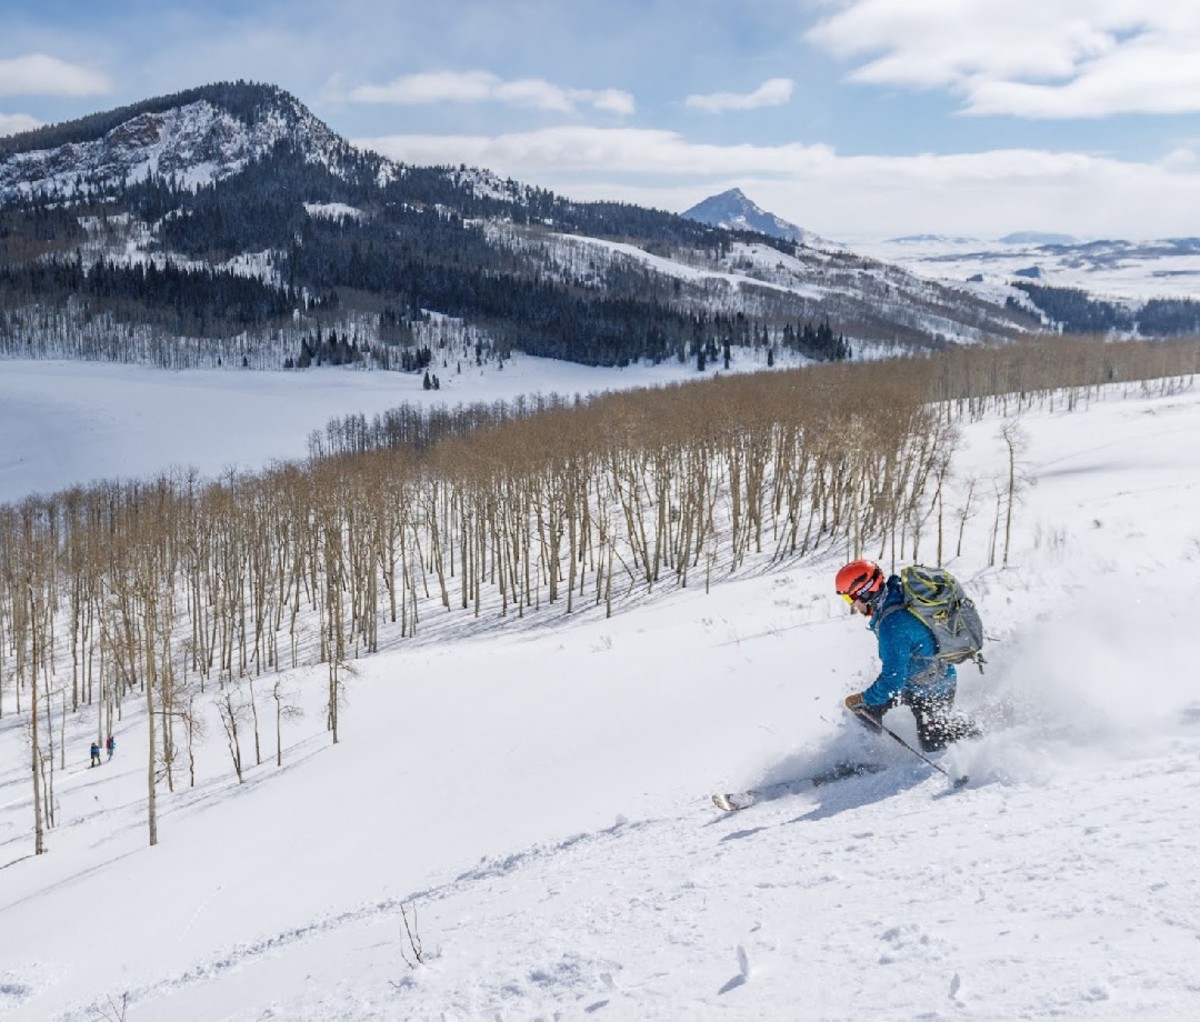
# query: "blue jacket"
{"type": "Point", "coordinates": [907, 651]}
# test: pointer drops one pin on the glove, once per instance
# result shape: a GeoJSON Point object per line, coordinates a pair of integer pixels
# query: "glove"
{"type": "Point", "coordinates": [868, 716]}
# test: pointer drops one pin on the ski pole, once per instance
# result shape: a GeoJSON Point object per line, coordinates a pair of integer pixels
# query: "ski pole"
{"type": "Point", "coordinates": [958, 782]}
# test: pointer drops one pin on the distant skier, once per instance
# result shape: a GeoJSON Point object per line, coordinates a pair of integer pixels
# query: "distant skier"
{"type": "Point", "coordinates": [111, 746]}
{"type": "Point", "coordinates": [912, 675]}
{"type": "Point", "coordinates": [95, 755]}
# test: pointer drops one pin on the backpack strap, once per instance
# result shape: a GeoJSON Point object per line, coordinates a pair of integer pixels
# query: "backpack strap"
{"type": "Point", "coordinates": [889, 610]}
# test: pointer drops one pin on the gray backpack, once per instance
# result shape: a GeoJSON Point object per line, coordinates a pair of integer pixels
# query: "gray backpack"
{"type": "Point", "coordinates": [936, 598]}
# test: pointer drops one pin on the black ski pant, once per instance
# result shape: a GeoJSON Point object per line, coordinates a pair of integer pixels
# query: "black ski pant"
{"type": "Point", "coordinates": [937, 723]}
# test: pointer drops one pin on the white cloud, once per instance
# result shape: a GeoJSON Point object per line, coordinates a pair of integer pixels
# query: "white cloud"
{"type": "Point", "coordinates": [773, 92]}
{"type": "Point", "coordinates": [1143, 76]}
{"type": "Point", "coordinates": [584, 149]}
{"type": "Point", "coordinates": [485, 87]}
{"type": "Point", "coordinates": [1027, 58]}
{"type": "Point", "coordinates": [1183, 158]}
{"type": "Point", "coordinates": [432, 87]}
{"type": "Point", "coordinates": [12, 124]}
{"type": "Point", "coordinates": [812, 185]}
{"type": "Point", "coordinates": [35, 74]}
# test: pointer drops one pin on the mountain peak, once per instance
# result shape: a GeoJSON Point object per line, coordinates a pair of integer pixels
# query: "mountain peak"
{"type": "Point", "coordinates": [201, 134]}
{"type": "Point", "coordinates": [732, 209]}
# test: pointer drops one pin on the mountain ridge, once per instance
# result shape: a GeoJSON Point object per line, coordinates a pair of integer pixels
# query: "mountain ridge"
{"type": "Point", "coordinates": [136, 221]}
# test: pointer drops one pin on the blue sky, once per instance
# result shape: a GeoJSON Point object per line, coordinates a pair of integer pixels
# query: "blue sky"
{"type": "Point", "coordinates": [848, 117]}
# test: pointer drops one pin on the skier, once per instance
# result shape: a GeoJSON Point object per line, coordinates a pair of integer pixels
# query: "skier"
{"type": "Point", "coordinates": [911, 674]}
{"type": "Point", "coordinates": [111, 746]}
{"type": "Point", "coordinates": [95, 755]}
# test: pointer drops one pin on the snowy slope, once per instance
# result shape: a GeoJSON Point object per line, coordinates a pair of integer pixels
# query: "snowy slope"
{"type": "Point", "coordinates": [534, 795]}
{"type": "Point", "coordinates": [1116, 269]}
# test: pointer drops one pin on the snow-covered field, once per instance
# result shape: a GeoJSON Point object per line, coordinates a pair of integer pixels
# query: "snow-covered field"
{"type": "Point", "coordinates": [534, 796]}
{"type": "Point", "coordinates": [65, 423]}
{"type": "Point", "coordinates": [1114, 270]}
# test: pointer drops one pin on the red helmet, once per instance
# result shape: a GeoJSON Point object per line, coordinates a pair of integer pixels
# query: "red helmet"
{"type": "Point", "coordinates": [860, 580]}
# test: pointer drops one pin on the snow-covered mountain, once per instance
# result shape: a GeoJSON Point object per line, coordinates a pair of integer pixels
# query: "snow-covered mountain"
{"type": "Point", "coordinates": [240, 178]}
{"type": "Point", "coordinates": [227, 224]}
{"type": "Point", "coordinates": [733, 210]}
{"type": "Point", "coordinates": [195, 139]}
{"type": "Point", "coordinates": [1129, 271]}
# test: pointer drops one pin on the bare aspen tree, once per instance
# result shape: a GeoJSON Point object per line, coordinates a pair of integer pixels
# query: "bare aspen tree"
{"type": "Point", "coordinates": [193, 728]}
{"type": "Point", "coordinates": [965, 514]}
{"type": "Point", "coordinates": [993, 543]}
{"type": "Point", "coordinates": [283, 711]}
{"type": "Point", "coordinates": [231, 710]}
{"type": "Point", "coordinates": [39, 838]}
{"type": "Point", "coordinates": [334, 630]}
{"type": "Point", "coordinates": [943, 459]}
{"type": "Point", "coordinates": [151, 772]}
{"type": "Point", "coordinates": [1016, 441]}
{"type": "Point", "coordinates": [254, 718]}
{"type": "Point", "coordinates": [48, 758]}
{"type": "Point", "coordinates": [29, 572]}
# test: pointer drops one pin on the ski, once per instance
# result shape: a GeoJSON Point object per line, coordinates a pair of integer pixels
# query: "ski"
{"type": "Point", "coordinates": [733, 801]}
{"type": "Point", "coordinates": [843, 770]}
